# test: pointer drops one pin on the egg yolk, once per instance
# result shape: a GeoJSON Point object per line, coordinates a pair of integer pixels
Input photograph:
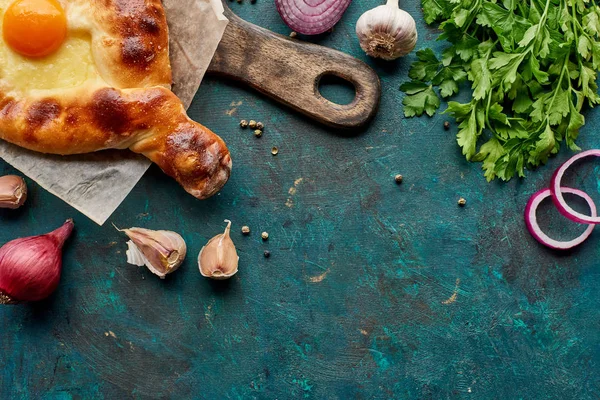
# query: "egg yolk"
{"type": "Point", "coordinates": [34, 28]}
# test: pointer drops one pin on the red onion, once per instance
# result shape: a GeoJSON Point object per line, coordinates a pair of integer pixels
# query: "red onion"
{"type": "Point", "coordinates": [30, 267]}
{"type": "Point", "coordinates": [558, 198]}
{"type": "Point", "coordinates": [311, 17]}
{"type": "Point", "coordinates": [534, 228]}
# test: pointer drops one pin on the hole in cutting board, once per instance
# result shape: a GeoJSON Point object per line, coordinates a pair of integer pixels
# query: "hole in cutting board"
{"type": "Point", "coordinates": [336, 89]}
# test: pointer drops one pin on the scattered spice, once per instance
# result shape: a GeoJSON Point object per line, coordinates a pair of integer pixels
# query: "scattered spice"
{"type": "Point", "coordinates": [244, 123]}
{"type": "Point", "coordinates": [260, 125]}
{"type": "Point", "coordinates": [446, 125]}
{"type": "Point", "coordinates": [258, 133]}
{"type": "Point", "coordinates": [462, 202]}
{"type": "Point", "coordinates": [274, 151]}
{"type": "Point", "coordinates": [245, 230]}
{"type": "Point", "coordinates": [252, 124]}
{"type": "Point", "coordinates": [267, 254]}
{"type": "Point", "coordinates": [293, 34]}
{"type": "Point", "coordinates": [398, 178]}
{"type": "Point", "coordinates": [265, 235]}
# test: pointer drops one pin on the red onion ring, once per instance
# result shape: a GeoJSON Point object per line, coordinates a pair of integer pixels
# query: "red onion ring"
{"type": "Point", "coordinates": [536, 231]}
{"type": "Point", "coordinates": [311, 17]}
{"type": "Point", "coordinates": [559, 199]}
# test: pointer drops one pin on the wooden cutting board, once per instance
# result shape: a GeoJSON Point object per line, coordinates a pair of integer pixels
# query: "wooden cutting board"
{"type": "Point", "coordinates": [289, 71]}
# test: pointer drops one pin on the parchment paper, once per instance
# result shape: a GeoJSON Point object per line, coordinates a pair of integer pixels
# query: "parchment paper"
{"type": "Point", "coordinates": [97, 183]}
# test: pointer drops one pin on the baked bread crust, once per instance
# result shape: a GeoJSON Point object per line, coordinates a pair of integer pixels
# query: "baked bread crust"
{"type": "Point", "coordinates": [131, 106]}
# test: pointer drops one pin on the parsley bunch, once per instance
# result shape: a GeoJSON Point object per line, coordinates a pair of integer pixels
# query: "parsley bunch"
{"type": "Point", "coordinates": [532, 65]}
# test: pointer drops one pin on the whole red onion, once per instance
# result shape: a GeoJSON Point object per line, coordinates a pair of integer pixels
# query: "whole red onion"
{"type": "Point", "coordinates": [30, 267]}
{"type": "Point", "coordinates": [311, 17]}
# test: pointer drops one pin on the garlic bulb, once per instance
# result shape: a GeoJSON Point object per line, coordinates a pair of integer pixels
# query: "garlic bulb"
{"type": "Point", "coordinates": [387, 32]}
{"type": "Point", "coordinates": [161, 251]}
{"type": "Point", "coordinates": [219, 259]}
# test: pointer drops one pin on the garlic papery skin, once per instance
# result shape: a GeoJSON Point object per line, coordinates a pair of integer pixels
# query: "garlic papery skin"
{"type": "Point", "coordinates": [219, 259]}
{"type": "Point", "coordinates": [387, 32]}
{"type": "Point", "coordinates": [13, 191]}
{"type": "Point", "coordinates": [162, 252]}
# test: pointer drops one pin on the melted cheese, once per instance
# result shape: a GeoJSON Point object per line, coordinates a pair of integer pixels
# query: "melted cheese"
{"type": "Point", "coordinates": [72, 65]}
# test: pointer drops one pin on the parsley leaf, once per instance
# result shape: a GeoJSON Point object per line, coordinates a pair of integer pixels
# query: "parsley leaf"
{"type": "Point", "coordinates": [532, 67]}
{"type": "Point", "coordinates": [420, 98]}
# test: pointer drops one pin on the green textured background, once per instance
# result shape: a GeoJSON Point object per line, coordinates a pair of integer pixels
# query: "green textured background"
{"type": "Point", "coordinates": [356, 300]}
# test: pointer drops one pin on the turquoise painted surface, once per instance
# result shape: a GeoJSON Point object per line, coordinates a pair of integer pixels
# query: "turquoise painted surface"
{"type": "Point", "coordinates": [373, 290]}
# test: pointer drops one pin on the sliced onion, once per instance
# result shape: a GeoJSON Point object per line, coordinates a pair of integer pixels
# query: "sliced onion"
{"type": "Point", "coordinates": [536, 231]}
{"type": "Point", "coordinates": [311, 17]}
{"type": "Point", "coordinates": [558, 197]}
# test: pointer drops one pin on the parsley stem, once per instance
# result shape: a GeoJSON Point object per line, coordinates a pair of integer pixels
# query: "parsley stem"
{"type": "Point", "coordinates": [543, 18]}
{"type": "Point", "coordinates": [558, 85]}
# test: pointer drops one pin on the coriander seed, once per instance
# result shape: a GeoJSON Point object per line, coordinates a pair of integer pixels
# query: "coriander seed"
{"type": "Point", "coordinates": [252, 124]}
{"type": "Point", "coordinates": [274, 151]}
{"type": "Point", "coordinates": [245, 230]}
{"type": "Point", "coordinates": [260, 125]}
{"type": "Point", "coordinates": [398, 178]}
{"type": "Point", "coordinates": [258, 133]}
{"type": "Point", "coordinates": [265, 235]}
{"type": "Point", "coordinates": [293, 34]}
{"type": "Point", "coordinates": [267, 254]}
{"type": "Point", "coordinates": [244, 123]}
{"type": "Point", "coordinates": [462, 202]}
{"type": "Point", "coordinates": [446, 125]}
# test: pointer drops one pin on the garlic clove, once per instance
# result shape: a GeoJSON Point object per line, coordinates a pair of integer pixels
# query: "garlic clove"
{"type": "Point", "coordinates": [162, 252]}
{"type": "Point", "coordinates": [219, 259]}
{"type": "Point", "coordinates": [13, 191]}
{"type": "Point", "coordinates": [387, 32]}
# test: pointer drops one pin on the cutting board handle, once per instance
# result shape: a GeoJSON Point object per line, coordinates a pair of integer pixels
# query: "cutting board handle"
{"type": "Point", "coordinates": [290, 72]}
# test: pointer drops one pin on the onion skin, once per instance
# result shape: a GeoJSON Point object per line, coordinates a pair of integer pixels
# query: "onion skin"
{"type": "Point", "coordinates": [557, 196]}
{"type": "Point", "coordinates": [30, 267]}
{"type": "Point", "coordinates": [311, 17]}
{"type": "Point", "coordinates": [536, 232]}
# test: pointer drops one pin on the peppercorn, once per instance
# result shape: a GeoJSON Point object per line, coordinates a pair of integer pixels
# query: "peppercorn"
{"type": "Point", "coordinates": [267, 254]}
{"type": "Point", "coordinates": [462, 202]}
{"type": "Point", "coordinates": [245, 230]}
{"type": "Point", "coordinates": [244, 123]}
{"type": "Point", "coordinates": [264, 235]}
{"type": "Point", "coordinates": [252, 124]}
{"type": "Point", "coordinates": [446, 125]}
{"type": "Point", "coordinates": [258, 133]}
{"type": "Point", "coordinates": [398, 178]}
{"type": "Point", "coordinates": [274, 151]}
{"type": "Point", "coordinates": [260, 125]}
